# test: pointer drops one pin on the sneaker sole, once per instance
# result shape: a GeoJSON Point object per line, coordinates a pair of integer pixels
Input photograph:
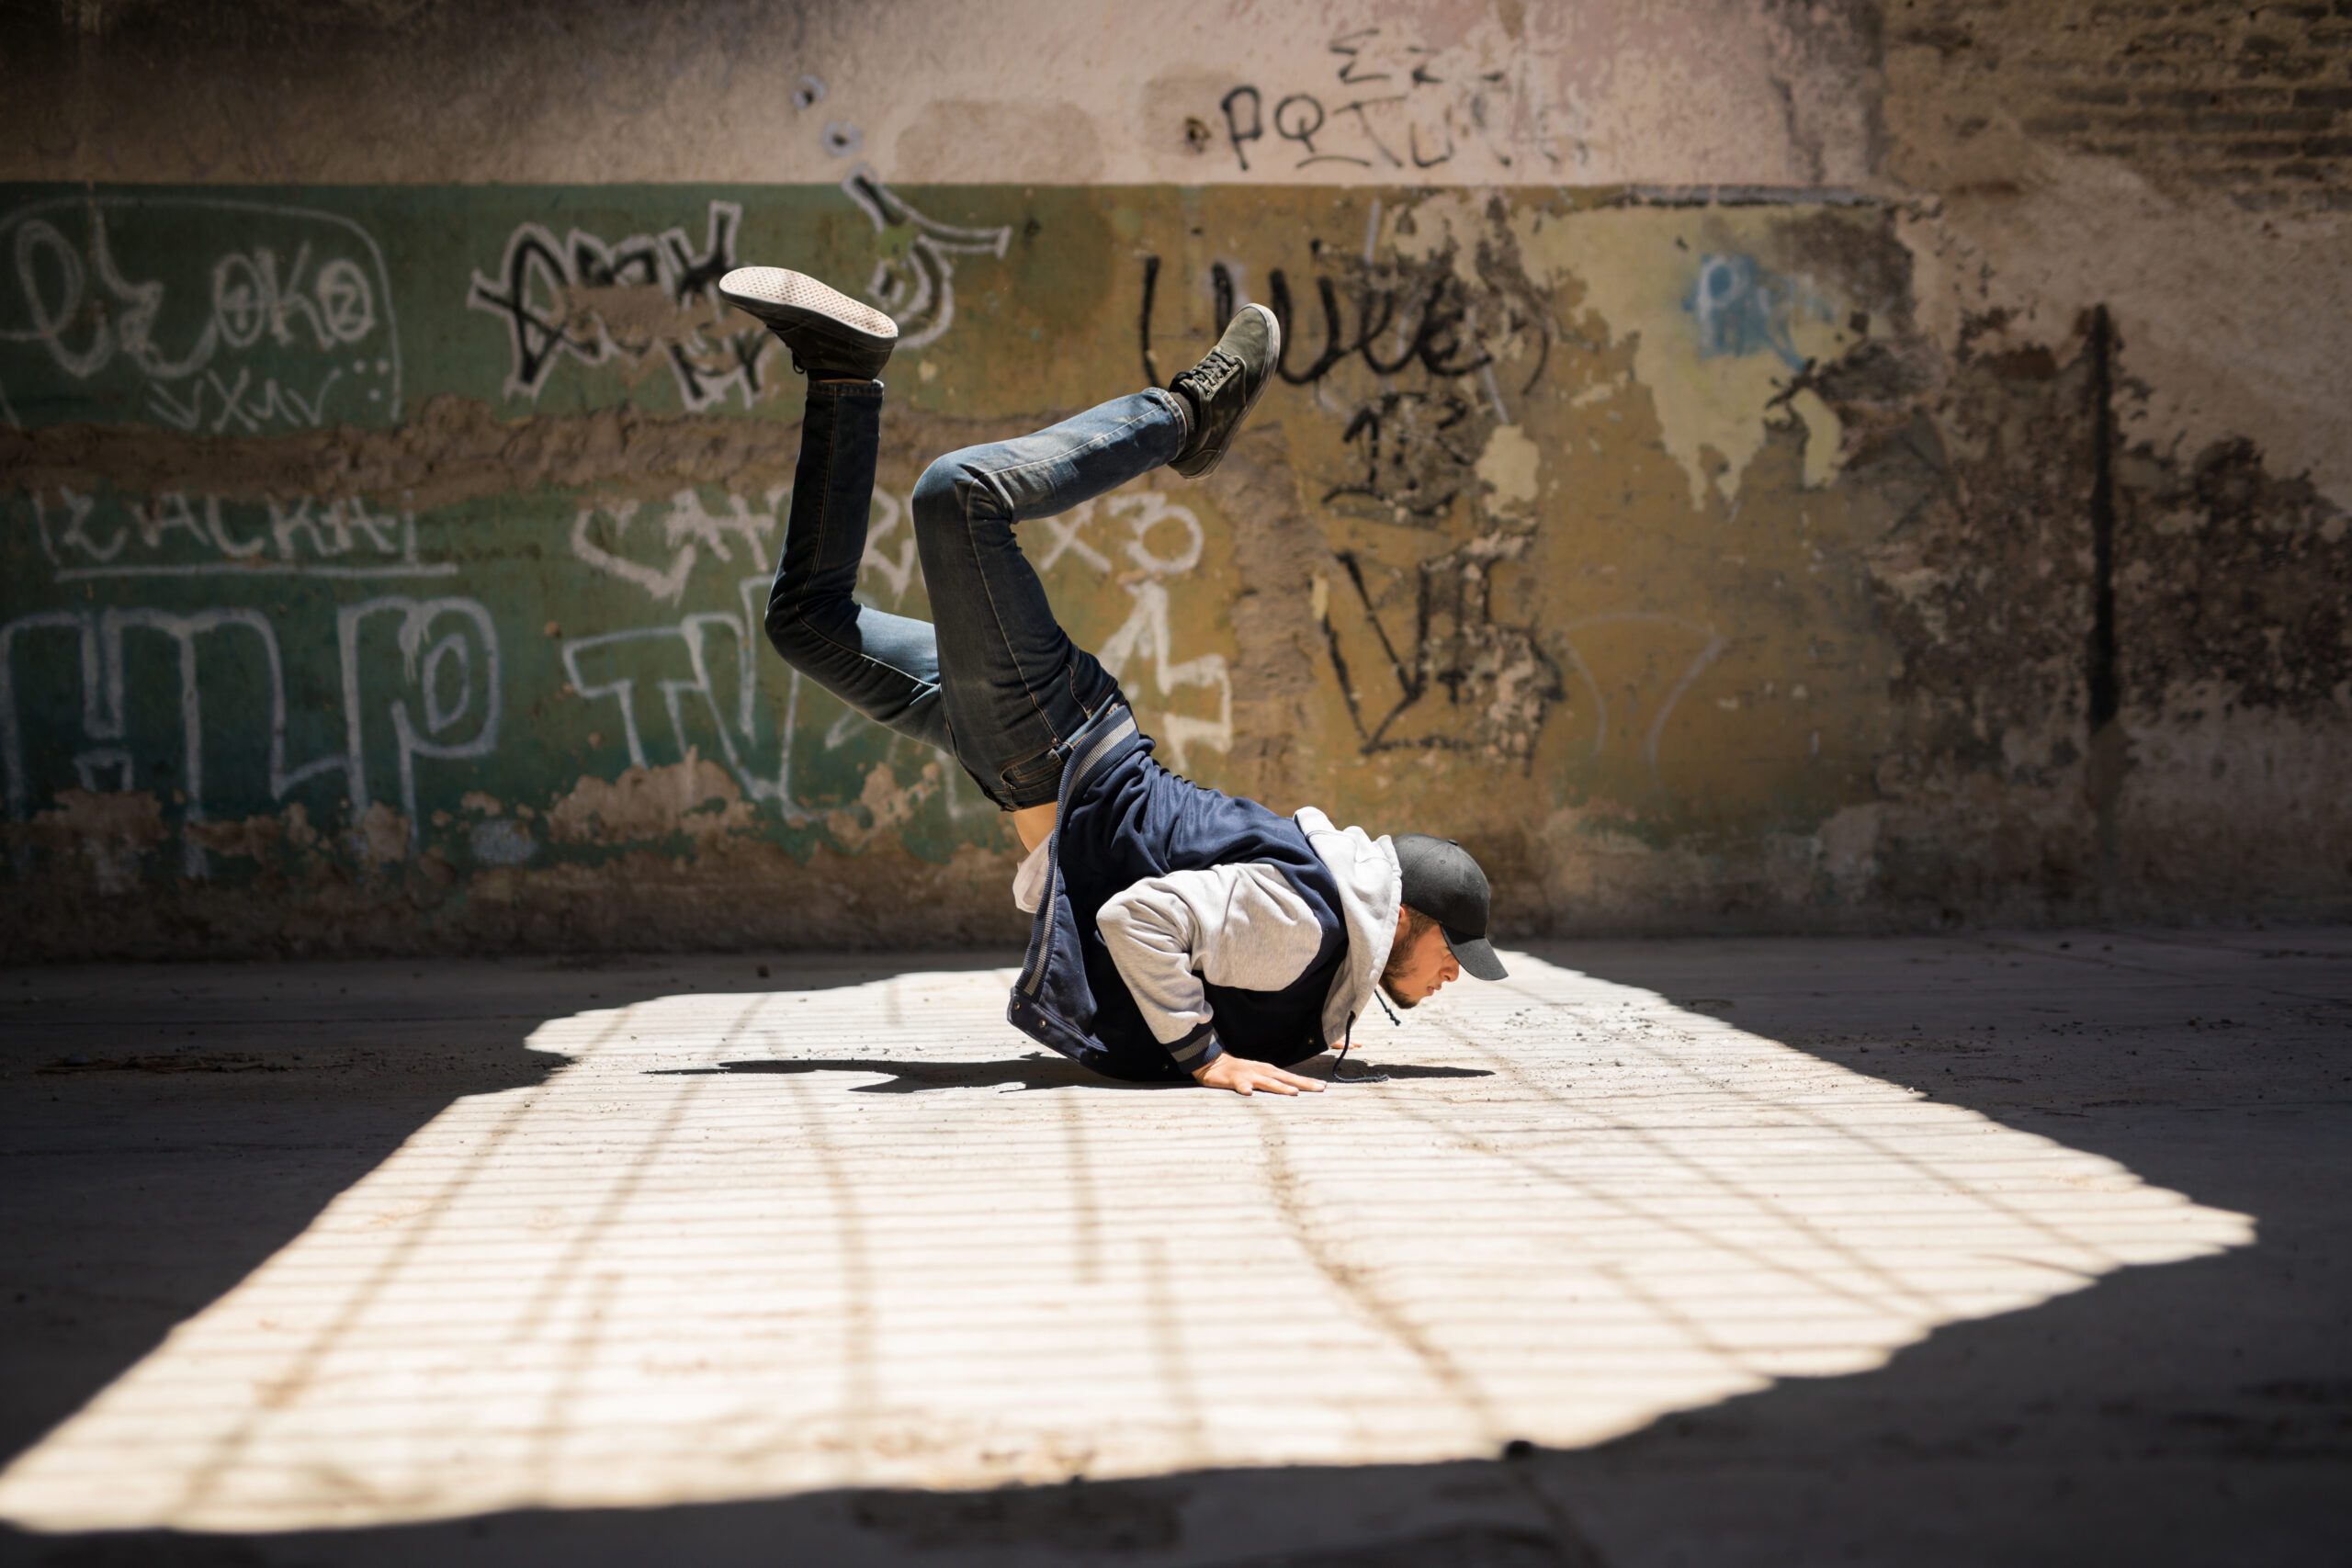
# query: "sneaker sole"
{"type": "Point", "coordinates": [783, 297]}
{"type": "Point", "coordinates": [1273, 360]}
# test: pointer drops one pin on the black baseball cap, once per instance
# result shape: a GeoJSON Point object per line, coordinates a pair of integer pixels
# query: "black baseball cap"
{"type": "Point", "coordinates": [1442, 881]}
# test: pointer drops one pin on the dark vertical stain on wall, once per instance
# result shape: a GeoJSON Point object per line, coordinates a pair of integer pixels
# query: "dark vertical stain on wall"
{"type": "Point", "coordinates": [2103, 685]}
{"type": "Point", "coordinates": [2106, 696]}
{"type": "Point", "coordinates": [1150, 292]}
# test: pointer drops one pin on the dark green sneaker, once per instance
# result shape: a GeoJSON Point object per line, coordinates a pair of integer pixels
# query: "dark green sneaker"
{"type": "Point", "coordinates": [1224, 385]}
{"type": "Point", "coordinates": [832, 336]}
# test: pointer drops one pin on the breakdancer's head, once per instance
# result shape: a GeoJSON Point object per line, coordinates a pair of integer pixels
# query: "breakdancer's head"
{"type": "Point", "coordinates": [1441, 923]}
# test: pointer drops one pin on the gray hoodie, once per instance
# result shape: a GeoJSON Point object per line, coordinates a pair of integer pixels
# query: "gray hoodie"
{"type": "Point", "coordinates": [1243, 926]}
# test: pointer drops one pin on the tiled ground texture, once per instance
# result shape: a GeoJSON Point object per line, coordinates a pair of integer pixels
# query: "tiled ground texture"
{"type": "Point", "coordinates": [2022, 1248]}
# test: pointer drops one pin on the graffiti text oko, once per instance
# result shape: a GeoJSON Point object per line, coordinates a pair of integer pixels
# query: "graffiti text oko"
{"type": "Point", "coordinates": [253, 295]}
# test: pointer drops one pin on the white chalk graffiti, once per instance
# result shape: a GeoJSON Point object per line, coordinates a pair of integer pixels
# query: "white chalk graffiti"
{"type": "Point", "coordinates": [688, 529]}
{"type": "Point", "coordinates": [177, 535]}
{"type": "Point", "coordinates": [437, 728]}
{"type": "Point", "coordinates": [699, 677]}
{"type": "Point", "coordinates": [443, 701]}
{"type": "Point", "coordinates": [1146, 514]}
{"type": "Point", "coordinates": [697, 682]}
{"type": "Point", "coordinates": [883, 519]}
{"type": "Point", "coordinates": [601, 538]}
{"type": "Point", "coordinates": [110, 302]}
{"type": "Point", "coordinates": [918, 289]}
{"type": "Point", "coordinates": [561, 298]}
{"type": "Point", "coordinates": [1711, 648]}
{"type": "Point", "coordinates": [694, 685]}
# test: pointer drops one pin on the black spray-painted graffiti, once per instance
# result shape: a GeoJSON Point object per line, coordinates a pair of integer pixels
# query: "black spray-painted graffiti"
{"type": "Point", "coordinates": [1397, 104]}
{"type": "Point", "coordinates": [1487, 687]}
{"type": "Point", "coordinates": [1420, 356]}
{"type": "Point", "coordinates": [1424, 317]}
{"type": "Point", "coordinates": [1413, 449]}
{"type": "Point", "coordinates": [1416, 450]}
{"type": "Point", "coordinates": [579, 298]}
{"type": "Point", "coordinates": [594, 300]}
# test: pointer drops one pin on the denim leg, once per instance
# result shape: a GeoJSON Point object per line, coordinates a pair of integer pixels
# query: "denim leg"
{"type": "Point", "coordinates": [1016, 688]}
{"type": "Point", "coordinates": [885, 666]}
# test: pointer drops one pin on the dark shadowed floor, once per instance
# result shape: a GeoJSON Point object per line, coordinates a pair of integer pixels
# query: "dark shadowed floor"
{"type": "Point", "coordinates": [1980, 1249]}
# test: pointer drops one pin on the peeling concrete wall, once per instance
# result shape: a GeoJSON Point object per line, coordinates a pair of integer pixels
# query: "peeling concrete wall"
{"type": "Point", "coordinates": [1745, 465]}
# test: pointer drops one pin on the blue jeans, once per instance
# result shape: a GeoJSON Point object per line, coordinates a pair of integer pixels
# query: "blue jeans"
{"type": "Point", "coordinates": [992, 679]}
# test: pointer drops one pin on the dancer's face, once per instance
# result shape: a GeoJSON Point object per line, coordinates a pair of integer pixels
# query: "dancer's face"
{"type": "Point", "coordinates": [1418, 964]}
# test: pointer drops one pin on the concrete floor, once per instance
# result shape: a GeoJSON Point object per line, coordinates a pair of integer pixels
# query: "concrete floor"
{"type": "Point", "coordinates": [1986, 1249]}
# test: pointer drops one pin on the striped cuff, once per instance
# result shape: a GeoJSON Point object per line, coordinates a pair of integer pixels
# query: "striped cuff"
{"type": "Point", "coordinates": [1196, 1050]}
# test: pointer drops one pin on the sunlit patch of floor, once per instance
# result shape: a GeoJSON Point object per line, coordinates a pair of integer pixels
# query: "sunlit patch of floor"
{"type": "Point", "coordinates": [743, 1245]}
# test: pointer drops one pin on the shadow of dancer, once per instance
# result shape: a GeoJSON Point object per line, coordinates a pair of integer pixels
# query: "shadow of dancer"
{"type": "Point", "coordinates": [1036, 1071]}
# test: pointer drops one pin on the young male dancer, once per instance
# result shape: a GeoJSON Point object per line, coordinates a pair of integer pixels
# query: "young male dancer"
{"type": "Point", "coordinates": [1178, 931]}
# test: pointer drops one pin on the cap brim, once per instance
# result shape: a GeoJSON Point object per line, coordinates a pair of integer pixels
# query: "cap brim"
{"type": "Point", "coordinates": [1476, 957]}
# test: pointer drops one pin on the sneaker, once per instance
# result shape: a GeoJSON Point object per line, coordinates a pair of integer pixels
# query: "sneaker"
{"type": "Point", "coordinates": [1224, 385]}
{"type": "Point", "coordinates": [830, 336]}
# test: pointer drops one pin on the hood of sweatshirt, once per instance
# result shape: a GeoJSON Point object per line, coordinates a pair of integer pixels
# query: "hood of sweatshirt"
{"type": "Point", "coordinates": [1372, 887]}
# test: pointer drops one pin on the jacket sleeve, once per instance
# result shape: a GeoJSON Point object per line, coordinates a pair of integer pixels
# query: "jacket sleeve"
{"type": "Point", "coordinates": [1239, 926]}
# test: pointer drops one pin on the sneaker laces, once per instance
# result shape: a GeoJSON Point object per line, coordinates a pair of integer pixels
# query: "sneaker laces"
{"type": "Point", "coordinates": [1217, 367]}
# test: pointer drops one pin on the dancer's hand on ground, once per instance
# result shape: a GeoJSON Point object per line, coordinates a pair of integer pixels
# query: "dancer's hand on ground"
{"type": "Point", "coordinates": [1243, 1076]}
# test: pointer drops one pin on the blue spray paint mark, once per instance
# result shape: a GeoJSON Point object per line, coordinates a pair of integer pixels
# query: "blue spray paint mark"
{"type": "Point", "coordinates": [1741, 309]}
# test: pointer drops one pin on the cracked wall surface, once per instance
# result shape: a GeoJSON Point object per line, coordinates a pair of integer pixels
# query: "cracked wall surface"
{"type": "Point", "coordinates": [1771, 471]}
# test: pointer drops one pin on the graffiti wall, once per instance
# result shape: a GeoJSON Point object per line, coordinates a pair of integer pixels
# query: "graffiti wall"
{"type": "Point", "coordinates": [384, 567]}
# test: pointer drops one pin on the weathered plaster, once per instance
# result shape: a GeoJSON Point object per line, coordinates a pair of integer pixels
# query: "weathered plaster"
{"type": "Point", "coordinates": [1799, 489]}
{"type": "Point", "coordinates": [1531, 93]}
